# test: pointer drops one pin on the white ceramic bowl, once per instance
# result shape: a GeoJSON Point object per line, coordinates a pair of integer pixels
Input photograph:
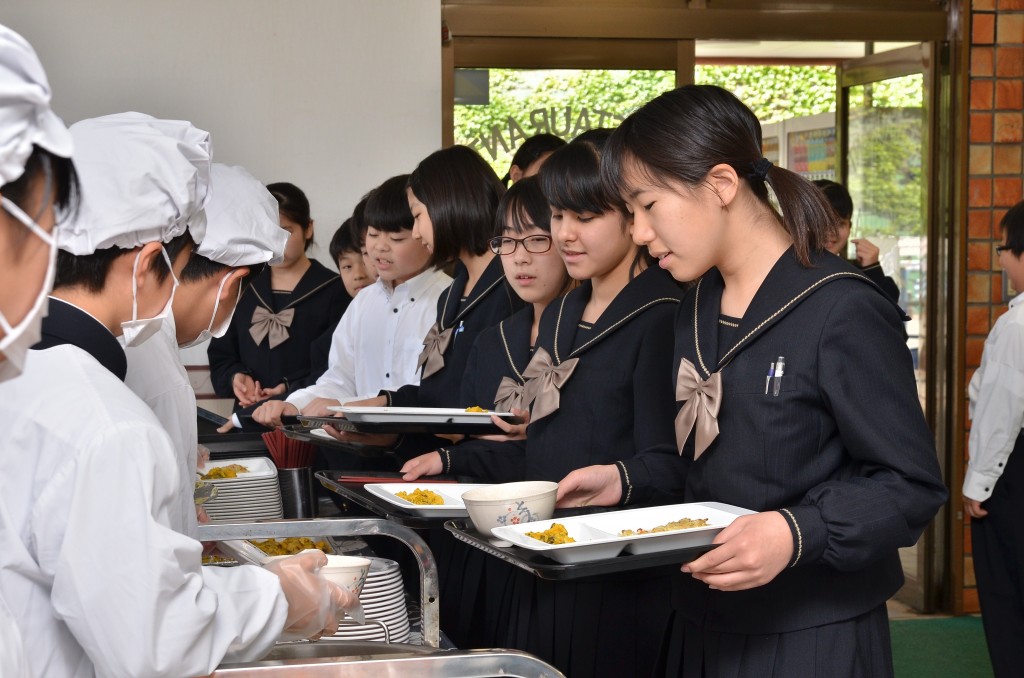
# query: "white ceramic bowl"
{"type": "Point", "coordinates": [510, 504]}
{"type": "Point", "coordinates": [348, 571]}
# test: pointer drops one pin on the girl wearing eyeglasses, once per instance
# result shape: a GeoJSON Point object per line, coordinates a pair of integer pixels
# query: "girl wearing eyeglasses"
{"type": "Point", "coordinates": [608, 344]}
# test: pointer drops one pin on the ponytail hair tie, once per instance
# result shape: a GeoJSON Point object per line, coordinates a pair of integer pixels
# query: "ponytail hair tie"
{"type": "Point", "coordinates": [760, 169]}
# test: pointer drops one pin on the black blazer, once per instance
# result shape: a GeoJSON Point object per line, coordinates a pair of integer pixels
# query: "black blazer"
{"type": "Point", "coordinates": [843, 451]}
{"type": "Point", "coordinates": [319, 300]}
{"type": "Point", "coordinates": [618, 405]}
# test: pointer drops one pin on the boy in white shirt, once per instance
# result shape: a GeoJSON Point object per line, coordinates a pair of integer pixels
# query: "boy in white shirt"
{"type": "Point", "coordinates": [378, 341]}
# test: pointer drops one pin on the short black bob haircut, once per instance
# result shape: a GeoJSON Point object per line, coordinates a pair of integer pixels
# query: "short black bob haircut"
{"type": "Point", "coordinates": [293, 204]}
{"type": "Point", "coordinates": [522, 208]}
{"type": "Point", "coordinates": [461, 194]}
{"type": "Point", "coordinates": [837, 196]}
{"type": "Point", "coordinates": [531, 150]}
{"type": "Point", "coordinates": [387, 208]}
{"type": "Point", "coordinates": [357, 222]}
{"type": "Point", "coordinates": [571, 180]}
{"type": "Point", "coordinates": [1013, 224]}
{"type": "Point", "coordinates": [342, 241]}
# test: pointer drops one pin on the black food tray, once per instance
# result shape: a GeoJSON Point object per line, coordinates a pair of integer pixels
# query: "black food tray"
{"type": "Point", "coordinates": [545, 568]}
{"type": "Point", "coordinates": [436, 428]}
{"type": "Point", "coordinates": [298, 432]}
{"type": "Point", "coordinates": [357, 494]}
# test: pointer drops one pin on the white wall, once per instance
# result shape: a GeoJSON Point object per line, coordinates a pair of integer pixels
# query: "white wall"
{"type": "Point", "coordinates": [332, 95]}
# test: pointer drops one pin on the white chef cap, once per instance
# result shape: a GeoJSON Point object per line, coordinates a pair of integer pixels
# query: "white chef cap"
{"type": "Point", "coordinates": [242, 225]}
{"type": "Point", "coordinates": [143, 180]}
{"type": "Point", "coordinates": [25, 115]}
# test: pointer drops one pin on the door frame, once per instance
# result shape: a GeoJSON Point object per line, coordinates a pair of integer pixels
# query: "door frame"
{"type": "Point", "coordinates": [941, 408]}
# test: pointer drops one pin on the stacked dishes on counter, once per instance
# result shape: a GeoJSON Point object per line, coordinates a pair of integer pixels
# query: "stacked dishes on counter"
{"type": "Point", "coordinates": [254, 494]}
{"type": "Point", "coordinates": [383, 600]}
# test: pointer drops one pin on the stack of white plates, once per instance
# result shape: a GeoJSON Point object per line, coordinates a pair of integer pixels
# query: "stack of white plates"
{"type": "Point", "coordinates": [383, 600]}
{"type": "Point", "coordinates": [254, 495]}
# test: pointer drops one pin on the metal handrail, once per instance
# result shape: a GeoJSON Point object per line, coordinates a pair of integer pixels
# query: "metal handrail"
{"type": "Point", "coordinates": [348, 527]}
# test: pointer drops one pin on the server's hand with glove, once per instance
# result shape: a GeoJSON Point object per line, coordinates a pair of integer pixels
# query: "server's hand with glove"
{"type": "Point", "coordinates": [315, 605]}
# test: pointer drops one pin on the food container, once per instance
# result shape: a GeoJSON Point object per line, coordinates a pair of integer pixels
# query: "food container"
{"type": "Point", "coordinates": [510, 504]}
{"type": "Point", "coordinates": [347, 571]}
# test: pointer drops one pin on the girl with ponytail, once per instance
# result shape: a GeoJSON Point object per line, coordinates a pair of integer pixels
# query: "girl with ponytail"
{"type": "Point", "coordinates": [796, 399]}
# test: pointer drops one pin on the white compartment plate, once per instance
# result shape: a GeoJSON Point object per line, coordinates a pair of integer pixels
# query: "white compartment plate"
{"type": "Point", "coordinates": [259, 467]}
{"type": "Point", "coordinates": [590, 544]}
{"type": "Point", "coordinates": [719, 517]}
{"type": "Point", "coordinates": [453, 507]}
{"type": "Point", "coordinates": [417, 415]}
{"type": "Point", "coordinates": [595, 533]}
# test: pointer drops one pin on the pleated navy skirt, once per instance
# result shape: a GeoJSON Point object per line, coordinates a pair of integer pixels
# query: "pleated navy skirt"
{"type": "Point", "coordinates": [855, 648]}
{"type": "Point", "coordinates": [607, 627]}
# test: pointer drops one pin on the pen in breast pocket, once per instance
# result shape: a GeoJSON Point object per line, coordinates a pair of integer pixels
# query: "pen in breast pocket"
{"type": "Point", "coordinates": [768, 378]}
{"type": "Point", "coordinates": [780, 370]}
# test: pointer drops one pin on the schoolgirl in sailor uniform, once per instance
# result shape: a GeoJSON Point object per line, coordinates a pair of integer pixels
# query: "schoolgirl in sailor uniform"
{"type": "Point", "coordinates": [453, 194]}
{"type": "Point", "coordinates": [536, 273]}
{"type": "Point", "coordinates": [797, 400]}
{"type": "Point", "coordinates": [600, 390]}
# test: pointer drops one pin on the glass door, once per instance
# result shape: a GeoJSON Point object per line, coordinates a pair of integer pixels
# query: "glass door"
{"type": "Point", "coordinates": [886, 161]}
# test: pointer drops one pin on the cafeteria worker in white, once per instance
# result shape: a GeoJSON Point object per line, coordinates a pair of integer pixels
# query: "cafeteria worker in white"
{"type": "Point", "coordinates": [241, 229]}
{"type": "Point", "coordinates": [35, 171]}
{"type": "Point", "coordinates": [98, 581]}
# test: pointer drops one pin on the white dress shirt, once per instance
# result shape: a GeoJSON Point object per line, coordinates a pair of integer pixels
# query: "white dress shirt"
{"type": "Point", "coordinates": [93, 566]}
{"type": "Point", "coordinates": [156, 375]}
{"type": "Point", "coordinates": [997, 403]}
{"type": "Point", "coordinates": [379, 340]}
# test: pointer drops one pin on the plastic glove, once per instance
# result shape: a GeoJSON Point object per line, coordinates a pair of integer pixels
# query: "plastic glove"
{"type": "Point", "coordinates": [315, 605]}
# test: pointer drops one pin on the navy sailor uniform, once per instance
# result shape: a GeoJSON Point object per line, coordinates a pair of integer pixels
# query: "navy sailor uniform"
{"type": "Point", "coordinates": [843, 452]}
{"type": "Point", "coordinates": [616, 407]}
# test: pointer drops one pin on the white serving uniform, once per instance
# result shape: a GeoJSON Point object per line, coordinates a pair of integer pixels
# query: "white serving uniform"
{"type": "Point", "coordinates": [26, 123]}
{"type": "Point", "coordinates": [156, 375]}
{"type": "Point", "coordinates": [92, 563]}
{"type": "Point", "coordinates": [377, 343]}
{"type": "Point", "coordinates": [13, 662]}
{"type": "Point", "coordinates": [241, 228]}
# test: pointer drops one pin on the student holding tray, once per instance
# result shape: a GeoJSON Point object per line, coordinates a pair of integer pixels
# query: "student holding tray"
{"type": "Point", "coordinates": [600, 391]}
{"type": "Point", "coordinates": [797, 400]}
{"type": "Point", "coordinates": [536, 273]}
{"type": "Point", "coordinates": [453, 194]}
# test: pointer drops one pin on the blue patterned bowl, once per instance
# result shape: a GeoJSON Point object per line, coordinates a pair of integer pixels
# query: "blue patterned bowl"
{"type": "Point", "coordinates": [510, 504]}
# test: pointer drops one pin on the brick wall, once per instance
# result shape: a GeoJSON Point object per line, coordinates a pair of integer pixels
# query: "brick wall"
{"type": "Point", "coordinates": [995, 182]}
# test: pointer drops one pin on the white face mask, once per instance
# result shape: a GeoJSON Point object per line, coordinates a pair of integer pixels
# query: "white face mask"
{"type": "Point", "coordinates": [136, 331]}
{"type": "Point", "coordinates": [17, 340]}
{"type": "Point", "coordinates": [222, 329]}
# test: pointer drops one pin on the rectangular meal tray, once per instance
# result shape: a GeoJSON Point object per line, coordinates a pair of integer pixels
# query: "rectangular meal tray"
{"type": "Point", "coordinates": [543, 567]}
{"type": "Point", "coordinates": [423, 420]}
{"type": "Point", "coordinates": [355, 491]}
{"type": "Point", "coordinates": [299, 432]}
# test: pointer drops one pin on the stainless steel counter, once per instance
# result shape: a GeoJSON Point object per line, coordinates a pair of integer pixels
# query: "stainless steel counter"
{"type": "Point", "coordinates": [394, 661]}
{"type": "Point", "coordinates": [348, 527]}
